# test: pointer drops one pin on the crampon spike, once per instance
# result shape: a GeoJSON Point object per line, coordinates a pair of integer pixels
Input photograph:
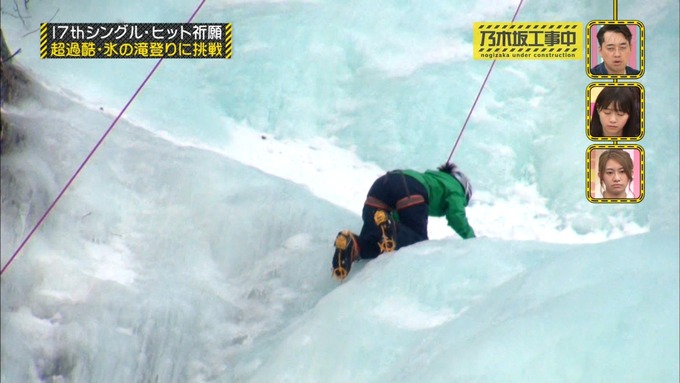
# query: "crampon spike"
{"type": "Point", "coordinates": [339, 273]}
{"type": "Point", "coordinates": [387, 245]}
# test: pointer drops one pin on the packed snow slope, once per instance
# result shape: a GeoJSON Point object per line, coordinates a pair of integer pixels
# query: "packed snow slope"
{"type": "Point", "coordinates": [195, 245]}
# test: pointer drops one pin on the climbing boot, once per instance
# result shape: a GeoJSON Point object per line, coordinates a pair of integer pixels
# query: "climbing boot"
{"type": "Point", "coordinates": [346, 252]}
{"type": "Point", "coordinates": [388, 229]}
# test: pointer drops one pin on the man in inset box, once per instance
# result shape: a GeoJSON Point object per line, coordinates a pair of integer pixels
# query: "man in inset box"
{"type": "Point", "coordinates": [615, 48]}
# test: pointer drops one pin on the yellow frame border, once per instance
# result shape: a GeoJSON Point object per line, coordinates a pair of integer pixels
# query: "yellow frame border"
{"type": "Point", "coordinates": [642, 49]}
{"type": "Point", "coordinates": [642, 111]}
{"type": "Point", "coordinates": [615, 200]}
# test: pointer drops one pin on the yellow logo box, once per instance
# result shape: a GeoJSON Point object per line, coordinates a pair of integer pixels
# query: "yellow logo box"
{"type": "Point", "coordinates": [528, 41]}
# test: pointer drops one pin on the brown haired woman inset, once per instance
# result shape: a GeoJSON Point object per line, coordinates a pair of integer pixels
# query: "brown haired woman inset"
{"type": "Point", "coordinates": [615, 170]}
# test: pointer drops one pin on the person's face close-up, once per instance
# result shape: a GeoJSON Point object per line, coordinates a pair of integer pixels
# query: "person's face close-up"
{"type": "Point", "coordinates": [615, 178]}
{"type": "Point", "coordinates": [615, 51]}
{"type": "Point", "coordinates": [612, 121]}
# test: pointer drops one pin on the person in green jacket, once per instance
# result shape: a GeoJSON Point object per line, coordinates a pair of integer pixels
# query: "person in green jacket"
{"type": "Point", "coordinates": [396, 211]}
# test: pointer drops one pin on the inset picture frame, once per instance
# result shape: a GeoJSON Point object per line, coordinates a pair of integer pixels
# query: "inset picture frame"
{"type": "Point", "coordinates": [615, 111]}
{"type": "Point", "coordinates": [615, 49]}
{"type": "Point", "coordinates": [615, 173]}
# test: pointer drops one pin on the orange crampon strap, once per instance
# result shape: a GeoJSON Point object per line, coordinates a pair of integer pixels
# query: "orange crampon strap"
{"type": "Point", "coordinates": [339, 272]}
{"type": "Point", "coordinates": [386, 244]}
{"type": "Point", "coordinates": [341, 243]}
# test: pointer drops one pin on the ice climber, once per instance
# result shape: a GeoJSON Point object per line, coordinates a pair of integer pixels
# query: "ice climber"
{"type": "Point", "coordinates": [396, 211]}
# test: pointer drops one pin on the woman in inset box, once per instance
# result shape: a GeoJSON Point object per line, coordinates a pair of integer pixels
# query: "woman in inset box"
{"type": "Point", "coordinates": [617, 112]}
{"type": "Point", "coordinates": [615, 170]}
